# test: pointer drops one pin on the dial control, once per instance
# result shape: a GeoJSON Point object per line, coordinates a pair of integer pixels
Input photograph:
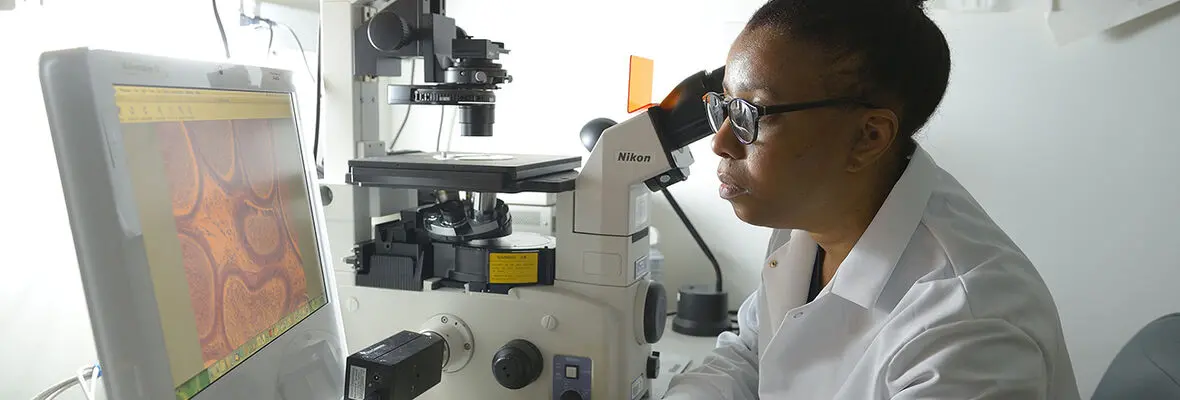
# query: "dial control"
{"type": "Point", "coordinates": [517, 364]}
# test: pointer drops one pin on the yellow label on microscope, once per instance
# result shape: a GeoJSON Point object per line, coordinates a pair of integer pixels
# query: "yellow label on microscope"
{"type": "Point", "coordinates": [512, 268]}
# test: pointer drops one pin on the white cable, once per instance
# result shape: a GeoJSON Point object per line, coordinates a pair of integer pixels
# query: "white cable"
{"type": "Point", "coordinates": [92, 372]}
{"type": "Point", "coordinates": [56, 389]}
{"type": "Point", "coordinates": [83, 373]}
{"type": "Point", "coordinates": [80, 375]}
{"type": "Point", "coordinates": [87, 372]}
{"type": "Point", "coordinates": [94, 379]}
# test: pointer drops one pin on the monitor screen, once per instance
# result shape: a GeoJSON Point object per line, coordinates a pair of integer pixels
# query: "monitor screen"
{"type": "Point", "coordinates": [218, 180]}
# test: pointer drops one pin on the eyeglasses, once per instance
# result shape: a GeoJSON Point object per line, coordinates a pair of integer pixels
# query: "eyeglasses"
{"type": "Point", "coordinates": [743, 115]}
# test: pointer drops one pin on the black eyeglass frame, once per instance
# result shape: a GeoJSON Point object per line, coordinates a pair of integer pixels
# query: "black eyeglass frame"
{"type": "Point", "coordinates": [760, 111]}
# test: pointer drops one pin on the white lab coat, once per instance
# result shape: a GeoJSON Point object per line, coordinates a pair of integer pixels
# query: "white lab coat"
{"type": "Point", "coordinates": [934, 302]}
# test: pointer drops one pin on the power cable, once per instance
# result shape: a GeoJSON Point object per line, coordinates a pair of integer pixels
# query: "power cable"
{"type": "Point", "coordinates": [221, 28]}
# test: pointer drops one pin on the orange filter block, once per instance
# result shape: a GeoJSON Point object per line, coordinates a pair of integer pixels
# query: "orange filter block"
{"type": "Point", "coordinates": [639, 84]}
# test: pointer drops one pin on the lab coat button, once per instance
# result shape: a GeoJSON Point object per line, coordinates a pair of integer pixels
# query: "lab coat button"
{"type": "Point", "coordinates": [773, 263]}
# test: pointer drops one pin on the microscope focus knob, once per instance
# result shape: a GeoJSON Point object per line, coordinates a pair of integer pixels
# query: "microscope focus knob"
{"type": "Point", "coordinates": [517, 364]}
{"type": "Point", "coordinates": [389, 32]}
{"type": "Point", "coordinates": [655, 312]}
{"type": "Point", "coordinates": [571, 395]}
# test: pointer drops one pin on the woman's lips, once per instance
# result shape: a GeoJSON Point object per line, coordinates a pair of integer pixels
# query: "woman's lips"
{"type": "Point", "coordinates": [729, 191]}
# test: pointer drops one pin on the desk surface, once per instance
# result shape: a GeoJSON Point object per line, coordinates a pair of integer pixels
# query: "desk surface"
{"type": "Point", "coordinates": [678, 351]}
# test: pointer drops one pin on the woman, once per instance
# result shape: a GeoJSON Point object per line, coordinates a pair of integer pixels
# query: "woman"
{"type": "Point", "coordinates": [885, 279]}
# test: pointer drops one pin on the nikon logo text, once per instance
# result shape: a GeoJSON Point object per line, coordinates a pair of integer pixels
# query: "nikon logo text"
{"type": "Point", "coordinates": [626, 156]}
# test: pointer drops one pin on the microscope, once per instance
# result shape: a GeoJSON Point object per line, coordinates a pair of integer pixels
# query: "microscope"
{"type": "Point", "coordinates": [446, 300]}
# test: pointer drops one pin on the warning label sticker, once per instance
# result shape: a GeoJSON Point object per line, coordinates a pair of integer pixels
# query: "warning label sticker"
{"type": "Point", "coordinates": [356, 383]}
{"type": "Point", "coordinates": [512, 268]}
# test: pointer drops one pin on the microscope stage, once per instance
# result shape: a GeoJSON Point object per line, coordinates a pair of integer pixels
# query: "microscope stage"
{"type": "Point", "coordinates": [498, 173]}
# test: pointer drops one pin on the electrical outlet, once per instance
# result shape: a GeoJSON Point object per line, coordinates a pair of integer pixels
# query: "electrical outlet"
{"type": "Point", "coordinates": [7, 5]}
{"type": "Point", "coordinates": [249, 10]}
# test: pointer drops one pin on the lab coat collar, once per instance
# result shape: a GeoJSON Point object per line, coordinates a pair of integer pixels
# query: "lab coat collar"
{"type": "Point", "coordinates": [862, 276]}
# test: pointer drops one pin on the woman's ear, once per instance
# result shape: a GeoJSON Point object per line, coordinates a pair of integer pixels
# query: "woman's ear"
{"type": "Point", "coordinates": [878, 131]}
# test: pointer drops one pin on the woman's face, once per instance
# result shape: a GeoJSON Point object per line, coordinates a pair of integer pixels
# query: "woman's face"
{"type": "Point", "coordinates": [793, 173]}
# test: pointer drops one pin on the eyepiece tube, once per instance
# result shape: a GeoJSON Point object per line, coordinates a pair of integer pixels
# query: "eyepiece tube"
{"type": "Point", "coordinates": [683, 118]}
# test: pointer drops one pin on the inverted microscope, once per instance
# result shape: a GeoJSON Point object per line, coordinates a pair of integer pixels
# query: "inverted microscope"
{"type": "Point", "coordinates": [446, 300]}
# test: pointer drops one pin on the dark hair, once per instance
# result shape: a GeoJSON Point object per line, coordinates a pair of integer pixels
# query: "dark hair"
{"type": "Point", "coordinates": [885, 51]}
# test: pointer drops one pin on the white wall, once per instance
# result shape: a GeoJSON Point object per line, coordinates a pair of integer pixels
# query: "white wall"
{"type": "Point", "coordinates": [1071, 148]}
{"type": "Point", "coordinates": [44, 327]}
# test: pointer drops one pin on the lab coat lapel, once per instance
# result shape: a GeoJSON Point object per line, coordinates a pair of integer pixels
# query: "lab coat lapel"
{"type": "Point", "coordinates": [786, 277]}
{"type": "Point", "coordinates": [863, 274]}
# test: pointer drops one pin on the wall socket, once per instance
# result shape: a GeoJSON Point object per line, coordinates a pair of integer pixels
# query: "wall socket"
{"type": "Point", "coordinates": [7, 5]}
{"type": "Point", "coordinates": [249, 9]}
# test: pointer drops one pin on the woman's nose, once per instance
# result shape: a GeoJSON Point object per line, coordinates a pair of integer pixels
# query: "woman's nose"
{"type": "Point", "coordinates": [726, 145]}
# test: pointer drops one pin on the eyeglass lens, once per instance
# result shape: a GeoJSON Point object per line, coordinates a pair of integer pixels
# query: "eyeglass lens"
{"type": "Point", "coordinates": [740, 113]}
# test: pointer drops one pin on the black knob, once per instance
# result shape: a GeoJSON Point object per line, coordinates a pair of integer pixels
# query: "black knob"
{"type": "Point", "coordinates": [653, 365]}
{"type": "Point", "coordinates": [655, 312]}
{"type": "Point", "coordinates": [571, 395]}
{"type": "Point", "coordinates": [388, 32]}
{"type": "Point", "coordinates": [517, 364]}
{"type": "Point", "coordinates": [593, 130]}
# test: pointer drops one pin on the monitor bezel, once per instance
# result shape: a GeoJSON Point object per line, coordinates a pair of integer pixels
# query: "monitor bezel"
{"type": "Point", "coordinates": [77, 84]}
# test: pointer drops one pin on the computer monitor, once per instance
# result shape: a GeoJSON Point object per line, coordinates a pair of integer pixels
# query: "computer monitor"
{"type": "Point", "coordinates": [193, 208]}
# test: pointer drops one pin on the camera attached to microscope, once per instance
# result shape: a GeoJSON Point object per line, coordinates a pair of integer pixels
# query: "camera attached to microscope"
{"type": "Point", "coordinates": [460, 70]}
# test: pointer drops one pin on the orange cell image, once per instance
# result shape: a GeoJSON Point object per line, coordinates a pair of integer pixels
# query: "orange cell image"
{"type": "Point", "coordinates": [241, 259]}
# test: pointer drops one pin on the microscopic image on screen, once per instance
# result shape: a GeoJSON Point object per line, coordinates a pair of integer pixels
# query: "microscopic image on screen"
{"type": "Point", "coordinates": [242, 264]}
{"type": "Point", "coordinates": [221, 190]}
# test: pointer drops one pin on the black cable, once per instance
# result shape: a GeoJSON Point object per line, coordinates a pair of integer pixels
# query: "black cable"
{"type": "Point", "coordinates": [270, 41]}
{"type": "Point", "coordinates": [317, 76]}
{"type": "Point", "coordinates": [695, 236]}
{"type": "Point", "coordinates": [221, 28]}
{"type": "Point", "coordinates": [297, 43]}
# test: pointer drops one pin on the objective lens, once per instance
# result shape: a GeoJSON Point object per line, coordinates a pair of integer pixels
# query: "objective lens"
{"type": "Point", "coordinates": [477, 119]}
